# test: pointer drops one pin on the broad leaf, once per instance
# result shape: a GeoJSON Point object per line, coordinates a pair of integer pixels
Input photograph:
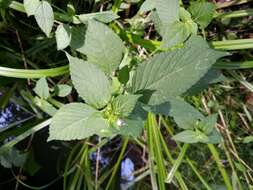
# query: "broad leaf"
{"type": "Point", "coordinates": [41, 88]}
{"type": "Point", "coordinates": [178, 31]}
{"type": "Point", "coordinates": [132, 127]}
{"type": "Point", "coordinates": [187, 136]}
{"type": "Point", "coordinates": [202, 12]}
{"type": "Point", "coordinates": [90, 82]}
{"type": "Point", "coordinates": [167, 10]}
{"type": "Point", "coordinates": [208, 123]}
{"type": "Point", "coordinates": [102, 46]}
{"type": "Point", "coordinates": [12, 157]}
{"type": "Point", "coordinates": [172, 73]}
{"type": "Point", "coordinates": [45, 17]}
{"type": "Point", "coordinates": [76, 121]}
{"type": "Point", "coordinates": [212, 76]}
{"type": "Point", "coordinates": [123, 105]}
{"type": "Point", "coordinates": [78, 37]}
{"type": "Point", "coordinates": [63, 90]}
{"type": "Point", "coordinates": [105, 17]}
{"type": "Point", "coordinates": [175, 33]}
{"type": "Point", "coordinates": [31, 6]}
{"type": "Point", "coordinates": [63, 36]}
{"type": "Point", "coordinates": [248, 139]}
{"type": "Point", "coordinates": [185, 115]}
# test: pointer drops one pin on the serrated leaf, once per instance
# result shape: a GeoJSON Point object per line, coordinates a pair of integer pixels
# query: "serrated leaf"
{"type": "Point", "coordinates": [187, 136]}
{"type": "Point", "coordinates": [105, 17]}
{"type": "Point", "coordinates": [102, 47]}
{"type": "Point", "coordinates": [123, 105]}
{"type": "Point", "coordinates": [76, 121]}
{"type": "Point", "coordinates": [90, 82]}
{"type": "Point", "coordinates": [44, 16]}
{"type": "Point", "coordinates": [165, 12]}
{"type": "Point", "coordinates": [42, 89]}
{"type": "Point", "coordinates": [209, 123]}
{"type": "Point", "coordinates": [63, 90]}
{"type": "Point", "coordinates": [174, 34]}
{"type": "Point", "coordinates": [177, 32]}
{"type": "Point", "coordinates": [212, 76]}
{"type": "Point", "coordinates": [133, 127]}
{"type": "Point", "coordinates": [172, 73]}
{"type": "Point", "coordinates": [63, 36]}
{"type": "Point", "coordinates": [202, 12]}
{"type": "Point", "coordinates": [31, 6]}
{"type": "Point", "coordinates": [185, 115]}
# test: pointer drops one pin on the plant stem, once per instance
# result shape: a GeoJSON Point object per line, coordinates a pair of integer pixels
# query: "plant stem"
{"type": "Point", "coordinates": [236, 14]}
{"type": "Point", "coordinates": [233, 65]}
{"type": "Point", "coordinates": [223, 172]}
{"type": "Point", "coordinates": [154, 147]}
{"type": "Point", "coordinates": [124, 146]}
{"type": "Point", "coordinates": [177, 163]}
{"type": "Point", "coordinates": [26, 73]}
{"type": "Point", "coordinates": [231, 3]}
{"type": "Point", "coordinates": [178, 175]}
{"type": "Point", "coordinates": [116, 5]}
{"type": "Point", "coordinates": [198, 174]}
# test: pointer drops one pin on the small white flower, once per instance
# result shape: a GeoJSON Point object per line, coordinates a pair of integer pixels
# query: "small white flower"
{"type": "Point", "coordinates": [120, 122]}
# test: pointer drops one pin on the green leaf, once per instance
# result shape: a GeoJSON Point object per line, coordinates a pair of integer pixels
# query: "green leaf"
{"type": "Point", "coordinates": [44, 16]}
{"type": "Point", "coordinates": [78, 37]}
{"type": "Point", "coordinates": [248, 139]}
{"type": "Point", "coordinates": [105, 17]}
{"type": "Point", "coordinates": [31, 166]}
{"type": "Point", "coordinates": [123, 75]}
{"type": "Point", "coordinates": [42, 89]}
{"type": "Point", "coordinates": [178, 31]}
{"type": "Point", "coordinates": [31, 6]}
{"type": "Point", "coordinates": [63, 36]}
{"type": "Point", "coordinates": [174, 34]}
{"type": "Point", "coordinates": [214, 137]}
{"type": "Point", "coordinates": [102, 47]}
{"type": "Point", "coordinates": [202, 12]}
{"type": "Point", "coordinates": [12, 157]}
{"type": "Point", "coordinates": [170, 74]}
{"type": "Point", "coordinates": [90, 82]}
{"type": "Point", "coordinates": [63, 90]}
{"type": "Point", "coordinates": [208, 123]}
{"type": "Point", "coordinates": [187, 136]}
{"type": "Point", "coordinates": [5, 98]}
{"type": "Point", "coordinates": [185, 115]}
{"type": "Point", "coordinates": [45, 106]}
{"type": "Point", "coordinates": [132, 127]}
{"type": "Point", "coordinates": [123, 105]}
{"type": "Point", "coordinates": [212, 76]}
{"type": "Point", "coordinates": [77, 121]}
{"type": "Point", "coordinates": [167, 10]}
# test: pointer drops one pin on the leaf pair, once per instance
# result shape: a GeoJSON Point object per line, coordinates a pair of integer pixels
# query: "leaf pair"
{"type": "Point", "coordinates": [174, 23]}
{"type": "Point", "coordinates": [78, 120]}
